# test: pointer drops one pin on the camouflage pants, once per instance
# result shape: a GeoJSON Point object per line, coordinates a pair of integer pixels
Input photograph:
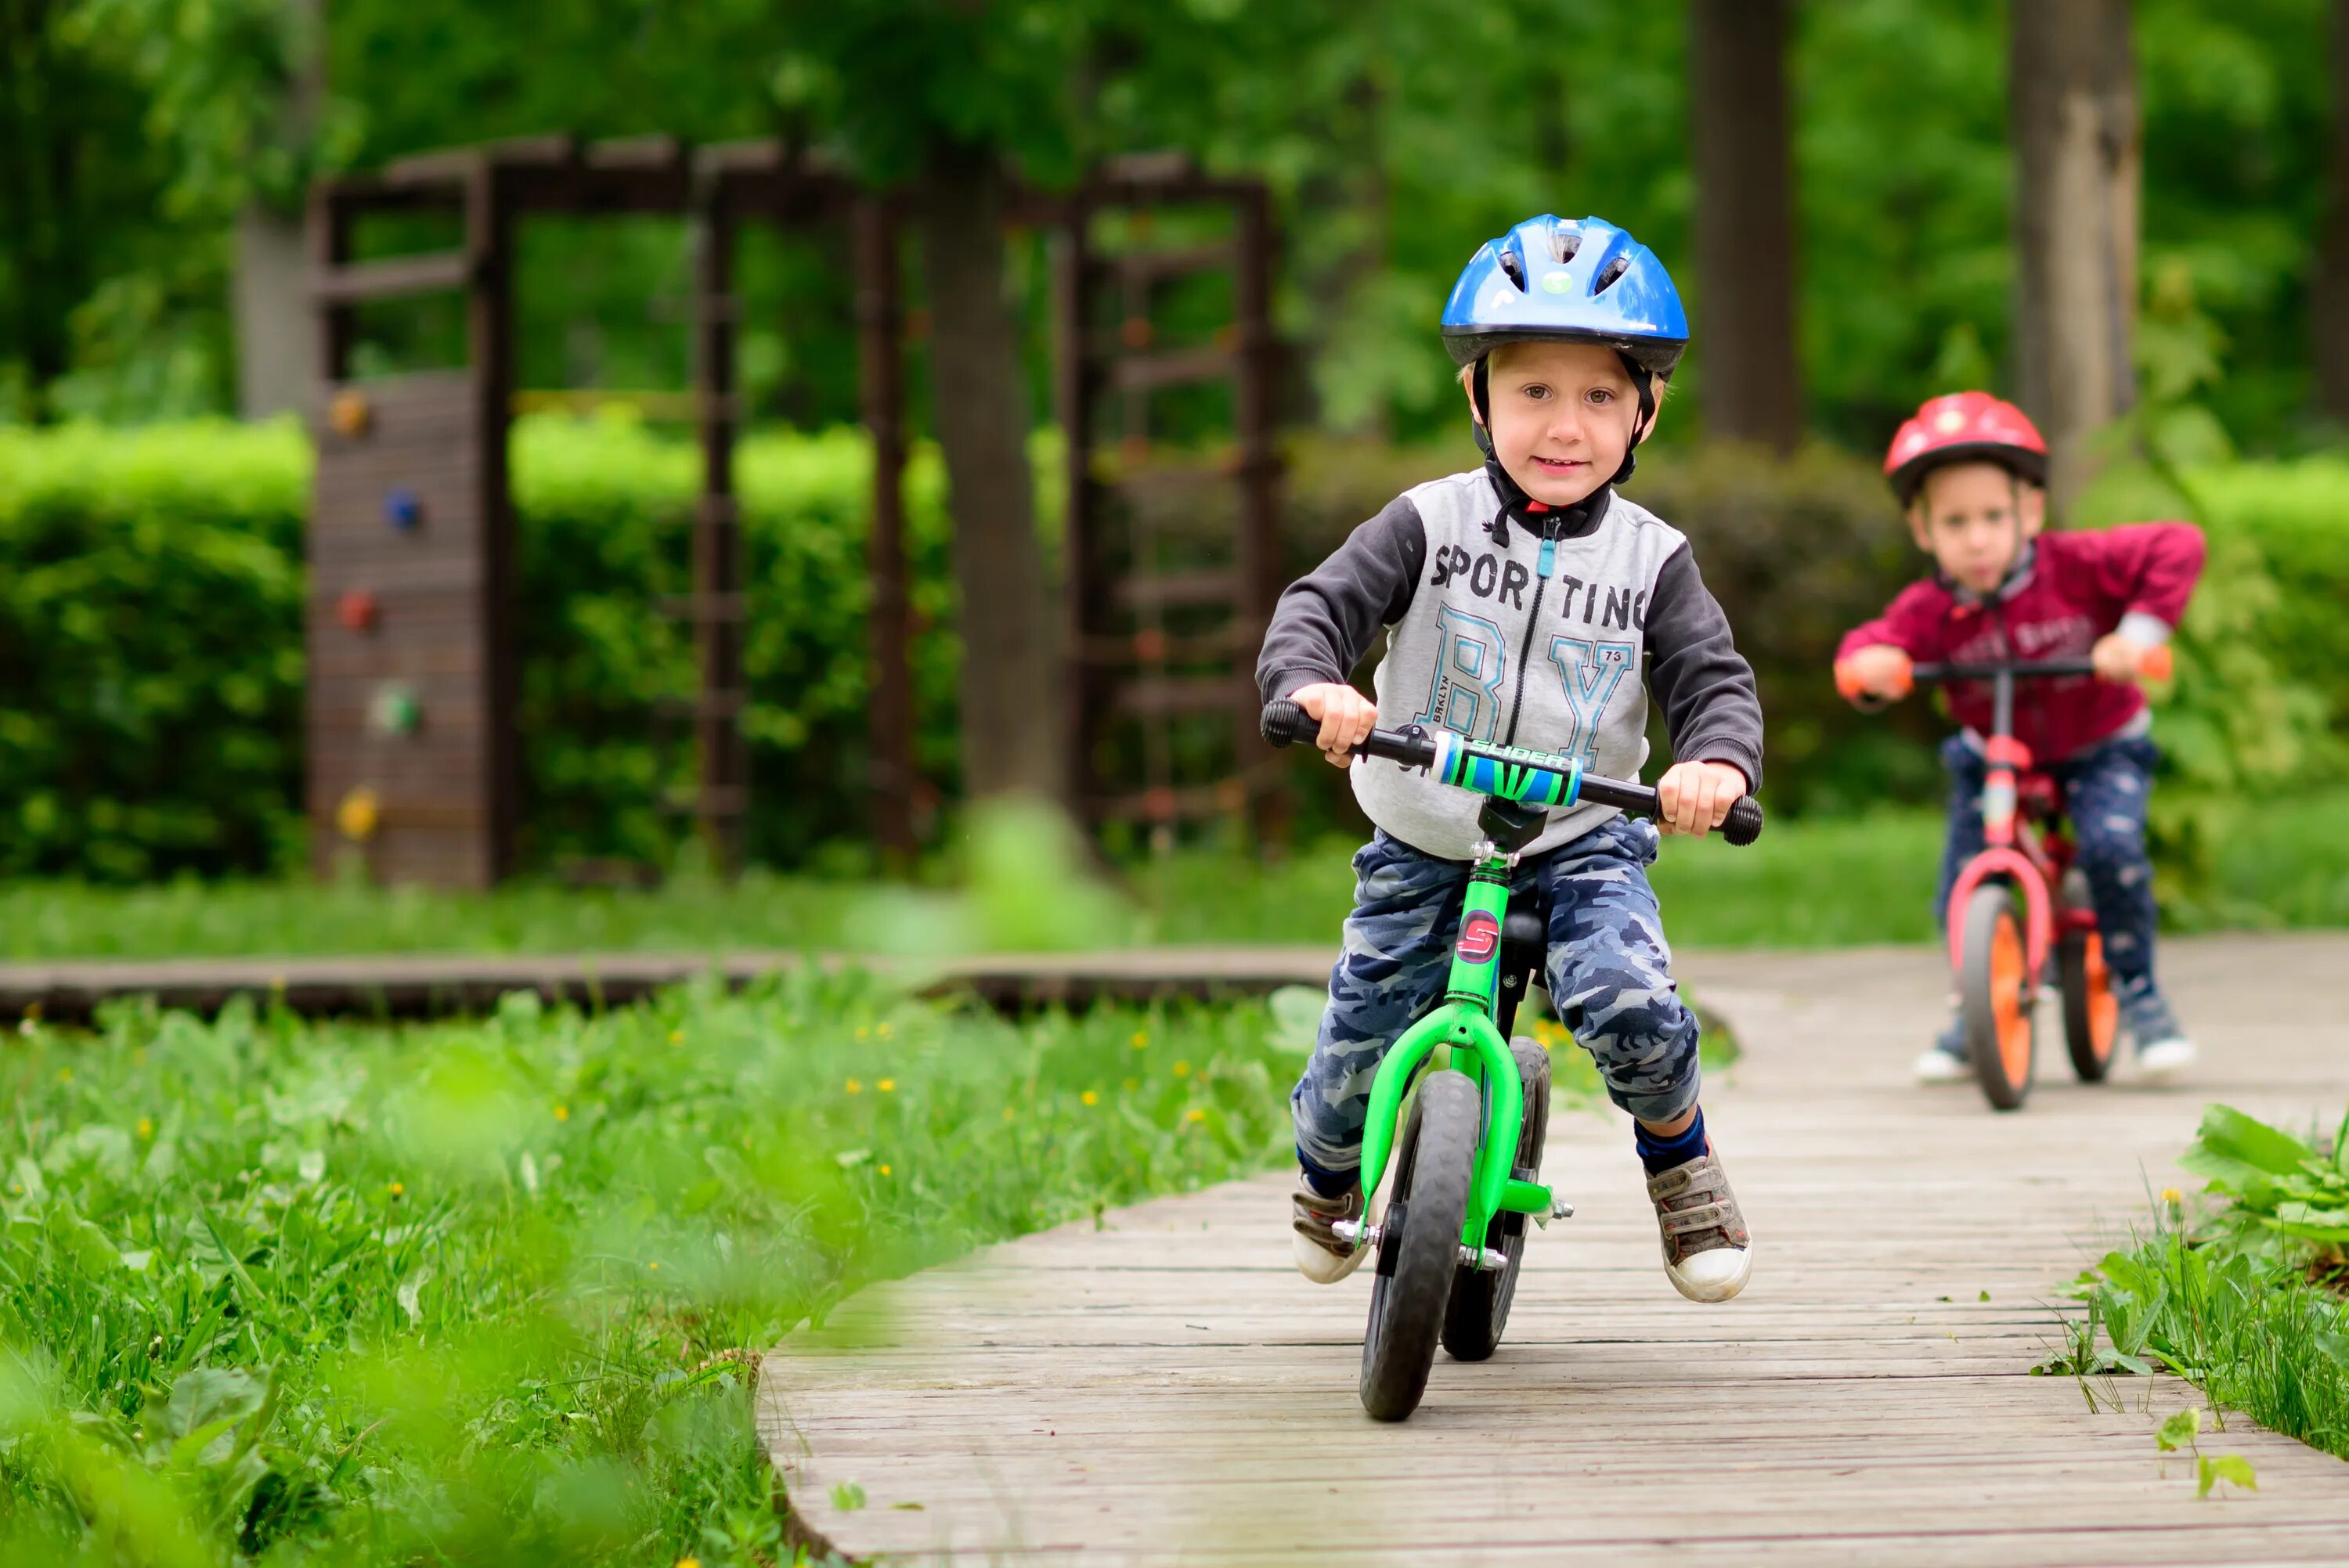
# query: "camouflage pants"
{"type": "Point", "coordinates": [1610, 975]}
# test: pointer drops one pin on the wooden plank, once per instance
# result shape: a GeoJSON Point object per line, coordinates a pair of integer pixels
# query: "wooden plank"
{"type": "Point", "coordinates": [1164, 1388]}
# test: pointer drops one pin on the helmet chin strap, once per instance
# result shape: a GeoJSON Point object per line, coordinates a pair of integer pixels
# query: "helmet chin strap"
{"type": "Point", "coordinates": [1480, 391]}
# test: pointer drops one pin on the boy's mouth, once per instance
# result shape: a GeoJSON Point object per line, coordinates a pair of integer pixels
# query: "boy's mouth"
{"type": "Point", "coordinates": [1558, 465]}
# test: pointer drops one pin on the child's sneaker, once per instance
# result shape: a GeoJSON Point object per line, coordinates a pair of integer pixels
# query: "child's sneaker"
{"type": "Point", "coordinates": [1321, 1257]}
{"type": "Point", "coordinates": [2163, 1051]}
{"type": "Point", "coordinates": [1944, 1061]}
{"type": "Point", "coordinates": [1707, 1250]}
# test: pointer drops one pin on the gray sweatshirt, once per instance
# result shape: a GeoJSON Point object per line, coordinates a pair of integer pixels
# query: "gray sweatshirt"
{"type": "Point", "coordinates": [1503, 636]}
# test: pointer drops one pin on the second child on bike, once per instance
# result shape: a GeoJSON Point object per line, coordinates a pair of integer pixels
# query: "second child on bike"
{"type": "Point", "coordinates": [1525, 601]}
{"type": "Point", "coordinates": [1970, 473]}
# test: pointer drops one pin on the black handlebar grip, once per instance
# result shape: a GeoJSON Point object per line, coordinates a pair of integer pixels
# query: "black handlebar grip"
{"type": "Point", "coordinates": [1286, 724]}
{"type": "Point", "coordinates": [1743, 823]}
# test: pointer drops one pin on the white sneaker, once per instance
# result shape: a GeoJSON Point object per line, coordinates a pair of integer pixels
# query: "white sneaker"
{"type": "Point", "coordinates": [2164, 1059]}
{"type": "Point", "coordinates": [1321, 1256]}
{"type": "Point", "coordinates": [1934, 1065]}
{"type": "Point", "coordinates": [1708, 1251]}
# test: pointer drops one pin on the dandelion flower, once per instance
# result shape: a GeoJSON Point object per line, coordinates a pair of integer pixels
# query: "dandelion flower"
{"type": "Point", "coordinates": [146, 1127]}
{"type": "Point", "coordinates": [887, 1085]}
{"type": "Point", "coordinates": [1182, 1070]}
{"type": "Point", "coordinates": [561, 1113]}
{"type": "Point", "coordinates": [654, 1264]}
{"type": "Point", "coordinates": [2172, 1195]}
{"type": "Point", "coordinates": [397, 1188]}
{"type": "Point", "coordinates": [1009, 1113]}
{"type": "Point", "coordinates": [688, 1562]}
{"type": "Point", "coordinates": [864, 1032]}
{"type": "Point", "coordinates": [676, 1036]}
{"type": "Point", "coordinates": [64, 1074]}
{"type": "Point", "coordinates": [1194, 1115]}
{"type": "Point", "coordinates": [884, 1170]}
{"type": "Point", "coordinates": [1090, 1098]}
{"type": "Point", "coordinates": [1140, 1039]}
{"type": "Point", "coordinates": [856, 1085]}
{"type": "Point", "coordinates": [882, 1030]}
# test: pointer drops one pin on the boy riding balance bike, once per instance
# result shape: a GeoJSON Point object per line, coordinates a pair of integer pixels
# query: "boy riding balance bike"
{"type": "Point", "coordinates": [2039, 640]}
{"type": "Point", "coordinates": [1523, 600]}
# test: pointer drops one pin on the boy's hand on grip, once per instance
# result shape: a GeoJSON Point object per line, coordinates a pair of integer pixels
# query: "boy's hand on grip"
{"type": "Point", "coordinates": [1694, 797]}
{"type": "Point", "coordinates": [2122, 659]}
{"type": "Point", "coordinates": [1879, 672]}
{"type": "Point", "coordinates": [1347, 718]}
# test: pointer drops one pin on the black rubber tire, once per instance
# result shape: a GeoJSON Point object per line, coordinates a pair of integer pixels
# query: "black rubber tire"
{"type": "Point", "coordinates": [1992, 906]}
{"type": "Point", "coordinates": [1419, 1244]}
{"type": "Point", "coordinates": [1479, 1308]}
{"type": "Point", "coordinates": [2071, 976]}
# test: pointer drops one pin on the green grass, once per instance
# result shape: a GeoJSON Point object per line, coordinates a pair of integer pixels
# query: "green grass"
{"type": "Point", "coordinates": [280, 1291]}
{"type": "Point", "coordinates": [2240, 1295]}
{"type": "Point", "coordinates": [1818, 883]}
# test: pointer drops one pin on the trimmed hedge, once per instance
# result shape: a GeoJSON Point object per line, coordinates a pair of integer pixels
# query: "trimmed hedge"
{"type": "Point", "coordinates": [151, 615]}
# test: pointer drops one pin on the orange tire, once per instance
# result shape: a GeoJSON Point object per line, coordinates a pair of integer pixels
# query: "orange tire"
{"type": "Point", "coordinates": [1994, 996]}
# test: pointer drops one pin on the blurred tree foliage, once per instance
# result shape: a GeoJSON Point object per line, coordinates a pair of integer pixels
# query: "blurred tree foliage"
{"type": "Point", "coordinates": [1397, 136]}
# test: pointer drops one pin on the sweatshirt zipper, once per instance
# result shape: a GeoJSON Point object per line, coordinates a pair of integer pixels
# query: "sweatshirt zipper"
{"type": "Point", "coordinates": [1533, 624]}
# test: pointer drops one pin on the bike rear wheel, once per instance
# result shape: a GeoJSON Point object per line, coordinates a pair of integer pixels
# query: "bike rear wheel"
{"type": "Point", "coordinates": [1994, 996]}
{"type": "Point", "coordinates": [2092, 1013]}
{"type": "Point", "coordinates": [1479, 1308]}
{"type": "Point", "coordinates": [1419, 1244]}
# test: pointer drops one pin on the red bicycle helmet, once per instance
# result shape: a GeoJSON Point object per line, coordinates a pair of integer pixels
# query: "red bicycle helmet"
{"type": "Point", "coordinates": [1959, 427]}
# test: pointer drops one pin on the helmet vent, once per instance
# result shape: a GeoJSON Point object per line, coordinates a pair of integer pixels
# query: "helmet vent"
{"type": "Point", "coordinates": [1566, 241]}
{"type": "Point", "coordinates": [1609, 273]}
{"type": "Point", "coordinates": [1514, 268]}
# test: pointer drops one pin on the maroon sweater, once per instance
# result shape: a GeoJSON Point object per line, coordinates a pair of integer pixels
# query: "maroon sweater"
{"type": "Point", "coordinates": [2074, 588]}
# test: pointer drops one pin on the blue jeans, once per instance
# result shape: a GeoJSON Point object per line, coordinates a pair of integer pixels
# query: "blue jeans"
{"type": "Point", "coordinates": [1609, 975]}
{"type": "Point", "coordinates": [2106, 789]}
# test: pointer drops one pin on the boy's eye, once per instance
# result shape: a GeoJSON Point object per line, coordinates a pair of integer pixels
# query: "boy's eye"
{"type": "Point", "coordinates": [1601, 395]}
{"type": "Point", "coordinates": [1537, 392]}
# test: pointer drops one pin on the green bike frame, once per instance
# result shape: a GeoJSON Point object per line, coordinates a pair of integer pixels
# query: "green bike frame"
{"type": "Point", "coordinates": [1462, 1023]}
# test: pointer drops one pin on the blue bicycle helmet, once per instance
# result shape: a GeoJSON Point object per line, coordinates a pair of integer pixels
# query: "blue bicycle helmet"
{"type": "Point", "coordinates": [1585, 282]}
{"type": "Point", "coordinates": [1551, 278]}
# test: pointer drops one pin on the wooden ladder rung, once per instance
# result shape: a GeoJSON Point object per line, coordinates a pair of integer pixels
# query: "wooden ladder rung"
{"type": "Point", "coordinates": [432, 273]}
{"type": "Point", "coordinates": [704, 609]}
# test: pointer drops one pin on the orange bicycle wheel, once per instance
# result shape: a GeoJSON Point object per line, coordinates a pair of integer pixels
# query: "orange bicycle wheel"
{"type": "Point", "coordinates": [1994, 996]}
{"type": "Point", "coordinates": [2092, 1013]}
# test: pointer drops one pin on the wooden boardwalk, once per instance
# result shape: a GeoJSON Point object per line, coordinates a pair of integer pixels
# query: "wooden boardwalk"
{"type": "Point", "coordinates": [1167, 1390]}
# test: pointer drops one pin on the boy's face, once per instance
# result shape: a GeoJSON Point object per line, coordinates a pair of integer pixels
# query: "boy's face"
{"type": "Point", "coordinates": [1561, 416]}
{"type": "Point", "coordinates": [1973, 519]}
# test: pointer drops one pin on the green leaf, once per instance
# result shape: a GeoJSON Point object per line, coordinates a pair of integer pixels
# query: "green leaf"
{"type": "Point", "coordinates": [848, 1497]}
{"type": "Point", "coordinates": [2232, 1135]}
{"type": "Point", "coordinates": [2236, 1470]}
{"type": "Point", "coordinates": [2179, 1431]}
{"type": "Point", "coordinates": [2206, 1475]}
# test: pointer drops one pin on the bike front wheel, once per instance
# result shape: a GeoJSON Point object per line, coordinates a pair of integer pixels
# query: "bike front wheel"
{"type": "Point", "coordinates": [1994, 996]}
{"type": "Point", "coordinates": [1479, 1308]}
{"type": "Point", "coordinates": [1419, 1244]}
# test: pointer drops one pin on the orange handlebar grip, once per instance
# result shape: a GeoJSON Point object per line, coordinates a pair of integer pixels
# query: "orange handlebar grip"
{"type": "Point", "coordinates": [2158, 663]}
{"type": "Point", "coordinates": [1846, 680]}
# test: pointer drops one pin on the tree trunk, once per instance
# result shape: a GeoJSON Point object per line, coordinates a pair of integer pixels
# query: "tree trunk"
{"type": "Point", "coordinates": [1010, 684]}
{"type": "Point", "coordinates": [2329, 303]}
{"type": "Point", "coordinates": [1745, 222]}
{"type": "Point", "coordinates": [2078, 150]}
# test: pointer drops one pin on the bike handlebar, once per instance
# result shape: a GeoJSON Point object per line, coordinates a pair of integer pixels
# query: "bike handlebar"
{"type": "Point", "coordinates": [2155, 664]}
{"type": "Point", "coordinates": [1285, 723]}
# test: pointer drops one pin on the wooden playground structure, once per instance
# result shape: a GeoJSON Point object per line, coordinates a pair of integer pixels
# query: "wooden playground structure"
{"type": "Point", "coordinates": [415, 750]}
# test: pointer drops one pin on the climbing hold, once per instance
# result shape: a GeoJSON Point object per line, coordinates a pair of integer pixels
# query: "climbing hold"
{"type": "Point", "coordinates": [357, 610]}
{"type": "Point", "coordinates": [402, 508]}
{"type": "Point", "coordinates": [395, 710]}
{"type": "Point", "coordinates": [350, 413]}
{"type": "Point", "coordinates": [1136, 332]}
{"type": "Point", "coordinates": [357, 817]}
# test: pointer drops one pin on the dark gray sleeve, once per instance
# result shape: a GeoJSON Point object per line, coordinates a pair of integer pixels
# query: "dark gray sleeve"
{"type": "Point", "coordinates": [1712, 709]}
{"type": "Point", "coordinates": [1323, 624]}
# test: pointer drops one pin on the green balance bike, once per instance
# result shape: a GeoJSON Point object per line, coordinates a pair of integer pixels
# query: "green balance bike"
{"type": "Point", "coordinates": [1467, 1164]}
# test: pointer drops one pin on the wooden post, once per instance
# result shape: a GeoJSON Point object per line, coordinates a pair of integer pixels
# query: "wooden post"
{"type": "Point", "coordinates": [1751, 388]}
{"type": "Point", "coordinates": [1080, 575]}
{"type": "Point", "coordinates": [490, 330]}
{"type": "Point", "coordinates": [1258, 456]}
{"type": "Point", "coordinates": [722, 798]}
{"type": "Point", "coordinates": [2078, 150]}
{"type": "Point", "coordinates": [880, 324]}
